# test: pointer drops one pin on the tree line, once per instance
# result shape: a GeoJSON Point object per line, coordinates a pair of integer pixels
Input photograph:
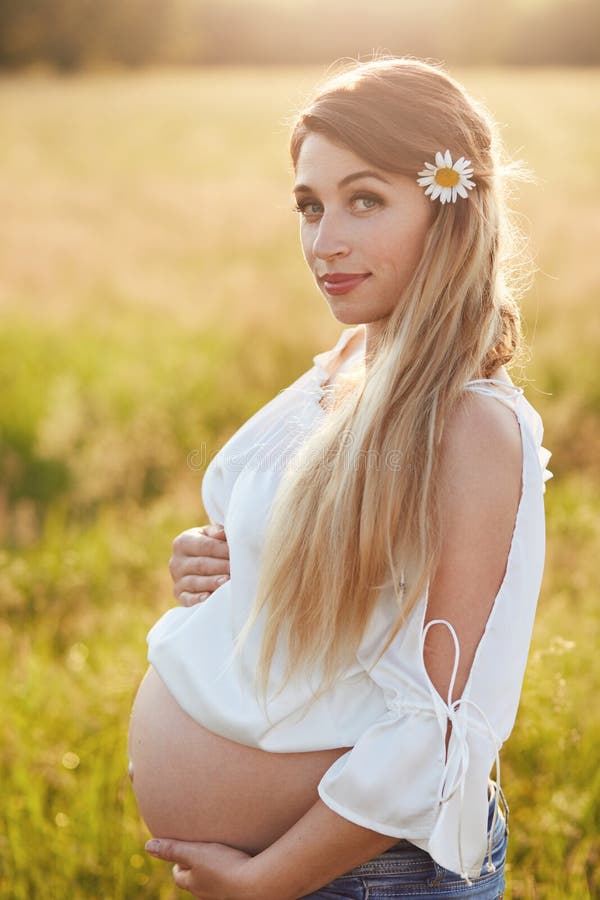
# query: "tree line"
{"type": "Point", "coordinates": [76, 34]}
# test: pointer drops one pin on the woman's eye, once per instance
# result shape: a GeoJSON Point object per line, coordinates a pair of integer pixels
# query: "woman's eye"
{"type": "Point", "coordinates": [306, 211]}
{"type": "Point", "coordinates": [369, 199]}
{"type": "Point", "coordinates": [303, 207]}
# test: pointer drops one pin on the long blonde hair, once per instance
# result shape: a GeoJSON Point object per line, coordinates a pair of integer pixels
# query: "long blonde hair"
{"type": "Point", "coordinates": [357, 512]}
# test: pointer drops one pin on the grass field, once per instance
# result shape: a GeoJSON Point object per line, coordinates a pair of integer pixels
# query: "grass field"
{"type": "Point", "coordinates": [153, 295]}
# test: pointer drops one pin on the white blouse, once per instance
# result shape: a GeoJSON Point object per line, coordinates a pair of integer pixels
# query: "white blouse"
{"type": "Point", "coordinates": [396, 779]}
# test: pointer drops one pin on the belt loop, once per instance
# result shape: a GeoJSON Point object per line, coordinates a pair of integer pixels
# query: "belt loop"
{"type": "Point", "coordinates": [440, 874]}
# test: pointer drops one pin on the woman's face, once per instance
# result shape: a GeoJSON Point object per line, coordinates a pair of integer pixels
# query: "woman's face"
{"type": "Point", "coordinates": [366, 225]}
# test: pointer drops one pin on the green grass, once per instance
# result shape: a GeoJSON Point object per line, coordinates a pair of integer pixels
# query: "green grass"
{"type": "Point", "coordinates": [153, 297]}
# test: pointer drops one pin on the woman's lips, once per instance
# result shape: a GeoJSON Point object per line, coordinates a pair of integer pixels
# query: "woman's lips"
{"type": "Point", "coordinates": [343, 286]}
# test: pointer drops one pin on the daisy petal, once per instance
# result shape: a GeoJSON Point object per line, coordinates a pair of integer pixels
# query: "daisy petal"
{"type": "Point", "coordinates": [447, 194]}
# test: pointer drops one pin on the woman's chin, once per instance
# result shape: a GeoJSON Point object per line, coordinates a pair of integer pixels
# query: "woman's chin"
{"type": "Point", "coordinates": [345, 313]}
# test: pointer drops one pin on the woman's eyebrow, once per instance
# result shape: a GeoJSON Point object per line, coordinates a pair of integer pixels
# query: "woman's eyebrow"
{"type": "Point", "coordinates": [365, 173]}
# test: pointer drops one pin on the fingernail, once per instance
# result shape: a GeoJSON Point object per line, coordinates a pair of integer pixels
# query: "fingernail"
{"type": "Point", "coordinates": [153, 846]}
{"type": "Point", "coordinates": [222, 578]}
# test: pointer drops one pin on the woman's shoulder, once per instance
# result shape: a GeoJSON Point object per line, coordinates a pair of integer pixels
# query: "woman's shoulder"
{"type": "Point", "coordinates": [516, 406]}
{"type": "Point", "coordinates": [482, 436]}
{"type": "Point", "coordinates": [480, 483]}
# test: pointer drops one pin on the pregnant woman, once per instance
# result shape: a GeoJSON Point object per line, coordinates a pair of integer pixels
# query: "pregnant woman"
{"type": "Point", "coordinates": [325, 723]}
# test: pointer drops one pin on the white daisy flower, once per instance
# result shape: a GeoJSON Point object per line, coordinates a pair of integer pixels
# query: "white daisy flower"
{"type": "Point", "coordinates": [446, 180]}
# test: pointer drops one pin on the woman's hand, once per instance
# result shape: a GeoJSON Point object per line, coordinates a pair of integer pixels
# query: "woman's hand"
{"type": "Point", "coordinates": [199, 559]}
{"type": "Point", "coordinates": [210, 871]}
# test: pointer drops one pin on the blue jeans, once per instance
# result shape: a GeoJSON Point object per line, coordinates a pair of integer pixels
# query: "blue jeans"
{"type": "Point", "coordinates": [405, 870]}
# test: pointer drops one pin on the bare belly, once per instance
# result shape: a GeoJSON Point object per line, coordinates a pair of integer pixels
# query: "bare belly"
{"type": "Point", "coordinates": [195, 785]}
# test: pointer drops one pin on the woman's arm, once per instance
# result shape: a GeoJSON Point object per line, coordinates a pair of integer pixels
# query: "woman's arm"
{"type": "Point", "coordinates": [318, 848]}
{"type": "Point", "coordinates": [321, 846]}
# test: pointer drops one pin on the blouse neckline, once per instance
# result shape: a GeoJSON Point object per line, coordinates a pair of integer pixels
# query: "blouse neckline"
{"type": "Point", "coordinates": [325, 356]}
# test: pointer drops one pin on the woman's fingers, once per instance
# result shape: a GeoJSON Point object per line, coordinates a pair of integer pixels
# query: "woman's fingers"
{"type": "Point", "coordinates": [194, 589]}
{"type": "Point", "coordinates": [193, 549]}
{"type": "Point", "coordinates": [214, 531]}
{"type": "Point", "coordinates": [197, 584]}
{"type": "Point", "coordinates": [186, 599]}
{"type": "Point", "coordinates": [205, 566]}
{"type": "Point", "coordinates": [196, 542]}
{"type": "Point", "coordinates": [199, 563]}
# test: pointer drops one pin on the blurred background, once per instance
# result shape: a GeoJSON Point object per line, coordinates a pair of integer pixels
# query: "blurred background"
{"type": "Point", "coordinates": [153, 296]}
{"type": "Point", "coordinates": [71, 35]}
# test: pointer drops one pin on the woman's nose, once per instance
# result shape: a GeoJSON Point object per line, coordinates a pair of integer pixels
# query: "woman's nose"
{"type": "Point", "coordinates": [130, 771]}
{"type": "Point", "coordinates": [329, 240]}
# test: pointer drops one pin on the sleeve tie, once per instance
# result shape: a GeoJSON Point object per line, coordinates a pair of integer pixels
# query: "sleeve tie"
{"type": "Point", "coordinates": [457, 763]}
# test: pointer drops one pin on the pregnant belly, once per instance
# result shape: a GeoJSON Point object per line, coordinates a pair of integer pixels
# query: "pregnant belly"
{"type": "Point", "coordinates": [192, 784]}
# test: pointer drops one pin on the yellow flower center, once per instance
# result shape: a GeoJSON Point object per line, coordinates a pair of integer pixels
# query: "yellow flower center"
{"type": "Point", "coordinates": [447, 177]}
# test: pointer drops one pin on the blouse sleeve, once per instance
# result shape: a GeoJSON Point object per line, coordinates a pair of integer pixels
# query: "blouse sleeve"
{"type": "Point", "coordinates": [397, 778]}
{"type": "Point", "coordinates": [536, 426]}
